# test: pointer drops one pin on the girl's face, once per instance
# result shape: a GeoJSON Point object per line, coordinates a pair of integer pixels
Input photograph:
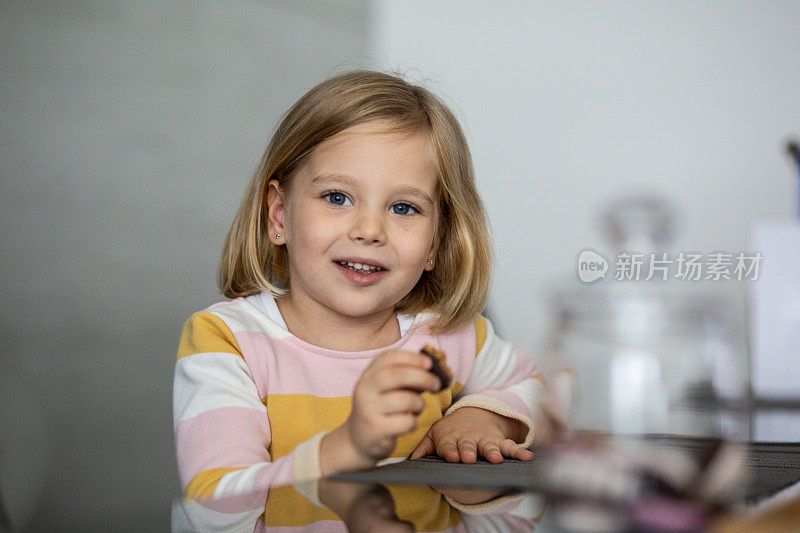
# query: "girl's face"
{"type": "Point", "coordinates": [364, 198]}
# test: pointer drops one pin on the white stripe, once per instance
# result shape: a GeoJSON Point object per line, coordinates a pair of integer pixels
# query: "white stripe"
{"type": "Point", "coordinates": [242, 315]}
{"type": "Point", "coordinates": [209, 381]}
{"type": "Point", "coordinates": [239, 482]}
{"type": "Point", "coordinates": [265, 302]}
{"type": "Point", "coordinates": [305, 458]}
{"type": "Point", "coordinates": [531, 507]}
{"type": "Point", "coordinates": [493, 366]}
{"type": "Point", "coordinates": [529, 390]}
{"type": "Point", "coordinates": [391, 460]}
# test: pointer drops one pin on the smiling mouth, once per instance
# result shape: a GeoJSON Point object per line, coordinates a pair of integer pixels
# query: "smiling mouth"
{"type": "Point", "coordinates": [359, 267]}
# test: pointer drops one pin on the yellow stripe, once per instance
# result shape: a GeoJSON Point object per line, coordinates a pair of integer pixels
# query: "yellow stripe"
{"type": "Point", "coordinates": [285, 507]}
{"type": "Point", "coordinates": [295, 418]}
{"type": "Point", "coordinates": [480, 333]}
{"type": "Point", "coordinates": [204, 333]}
{"type": "Point", "coordinates": [425, 508]}
{"type": "Point", "coordinates": [202, 485]}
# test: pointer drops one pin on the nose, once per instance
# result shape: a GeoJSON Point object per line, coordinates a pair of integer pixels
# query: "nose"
{"type": "Point", "coordinates": [367, 228]}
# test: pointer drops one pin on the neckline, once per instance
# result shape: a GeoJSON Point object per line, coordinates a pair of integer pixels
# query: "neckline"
{"type": "Point", "coordinates": [265, 303]}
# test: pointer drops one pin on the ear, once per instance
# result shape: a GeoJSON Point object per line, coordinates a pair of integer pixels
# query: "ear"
{"type": "Point", "coordinates": [276, 207]}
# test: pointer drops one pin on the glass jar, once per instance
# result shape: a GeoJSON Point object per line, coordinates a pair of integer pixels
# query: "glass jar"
{"type": "Point", "coordinates": [649, 359]}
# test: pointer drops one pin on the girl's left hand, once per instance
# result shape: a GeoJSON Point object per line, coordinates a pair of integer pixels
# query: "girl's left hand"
{"type": "Point", "coordinates": [471, 431]}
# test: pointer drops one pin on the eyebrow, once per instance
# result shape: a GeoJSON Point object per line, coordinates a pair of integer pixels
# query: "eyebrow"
{"type": "Point", "coordinates": [404, 191]}
{"type": "Point", "coordinates": [326, 178]}
{"type": "Point", "coordinates": [416, 192]}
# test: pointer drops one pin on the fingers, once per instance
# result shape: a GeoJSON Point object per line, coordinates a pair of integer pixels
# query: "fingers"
{"type": "Point", "coordinates": [405, 377]}
{"type": "Point", "coordinates": [470, 433]}
{"type": "Point", "coordinates": [400, 423]}
{"type": "Point", "coordinates": [466, 450]}
{"type": "Point", "coordinates": [511, 449]}
{"type": "Point", "coordinates": [447, 447]}
{"type": "Point", "coordinates": [424, 448]}
{"type": "Point", "coordinates": [397, 357]}
{"type": "Point", "coordinates": [399, 370]}
{"type": "Point", "coordinates": [386, 401]}
{"type": "Point", "coordinates": [395, 402]}
{"type": "Point", "coordinates": [491, 451]}
{"type": "Point", "coordinates": [495, 452]}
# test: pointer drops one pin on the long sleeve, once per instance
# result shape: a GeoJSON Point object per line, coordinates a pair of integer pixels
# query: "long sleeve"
{"type": "Point", "coordinates": [222, 432]}
{"type": "Point", "coordinates": [503, 380]}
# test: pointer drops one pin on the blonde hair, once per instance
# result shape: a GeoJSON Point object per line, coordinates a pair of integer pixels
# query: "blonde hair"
{"type": "Point", "coordinates": [455, 290]}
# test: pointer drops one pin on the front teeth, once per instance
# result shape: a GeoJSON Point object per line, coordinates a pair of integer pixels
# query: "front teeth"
{"type": "Point", "coordinates": [364, 269]}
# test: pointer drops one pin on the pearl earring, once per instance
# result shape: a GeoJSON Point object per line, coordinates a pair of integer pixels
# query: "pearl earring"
{"type": "Point", "coordinates": [277, 235]}
{"type": "Point", "coordinates": [430, 262]}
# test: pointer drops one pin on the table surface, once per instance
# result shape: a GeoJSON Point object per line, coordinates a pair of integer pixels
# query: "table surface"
{"type": "Point", "coordinates": [772, 499]}
{"type": "Point", "coordinates": [775, 466]}
{"type": "Point", "coordinates": [415, 495]}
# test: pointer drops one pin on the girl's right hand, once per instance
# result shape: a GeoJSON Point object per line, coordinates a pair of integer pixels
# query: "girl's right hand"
{"type": "Point", "coordinates": [386, 401]}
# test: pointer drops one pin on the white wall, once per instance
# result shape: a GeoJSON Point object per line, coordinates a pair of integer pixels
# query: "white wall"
{"type": "Point", "coordinates": [570, 104]}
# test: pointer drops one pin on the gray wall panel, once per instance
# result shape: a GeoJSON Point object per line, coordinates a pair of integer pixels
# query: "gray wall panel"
{"type": "Point", "coordinates": [128, 131]}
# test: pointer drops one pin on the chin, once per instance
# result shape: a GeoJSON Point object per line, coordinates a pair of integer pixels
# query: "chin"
{"type": "Point", "coordinates": [355, 309]}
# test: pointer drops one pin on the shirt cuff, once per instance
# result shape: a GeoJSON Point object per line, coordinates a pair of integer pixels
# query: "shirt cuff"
{"type": "Point", "coordinates": [490, 403]}
{"type": "Point", "coordinates": [306, 467]}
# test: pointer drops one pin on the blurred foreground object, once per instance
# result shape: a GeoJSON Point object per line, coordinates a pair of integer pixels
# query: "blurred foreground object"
{"type": "Point", "coordinates": [651, 362]}
{"type": "Point", "coordinates": [613, 483]}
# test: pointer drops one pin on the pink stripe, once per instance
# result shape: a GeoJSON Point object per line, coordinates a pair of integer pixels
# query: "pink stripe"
{"type": "Point", "coordinates": [224, 437]}
{"type": "Point", "coordinates": [460, 349]}
{"type": "Point", "coordinates": [523, 366]}
{"type": "Point", "coordinates": [281, 367]}
{"type": "Point", "coordinates": [223, 303]}
{"type": "Point", "coordinates": [330, 374]}
{"type": "Point", "coordinates": [279, 473]}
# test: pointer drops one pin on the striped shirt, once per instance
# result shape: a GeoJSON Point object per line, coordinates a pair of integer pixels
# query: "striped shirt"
{"type": "Point", "coordinates": [252, 401]}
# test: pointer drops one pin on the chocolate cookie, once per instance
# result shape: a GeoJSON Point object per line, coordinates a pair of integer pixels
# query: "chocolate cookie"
{"type": "Point", "coordinates": [439, 368]}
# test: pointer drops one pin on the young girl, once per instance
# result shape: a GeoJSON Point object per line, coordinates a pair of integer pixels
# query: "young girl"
{"type": "Point", "coordinates": [361, 238]}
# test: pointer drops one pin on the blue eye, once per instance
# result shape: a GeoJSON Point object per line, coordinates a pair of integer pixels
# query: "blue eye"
{"type": "Point", "coordinates": [403, 209]}
{"type": "Point", "coordinates": [338, 198]}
